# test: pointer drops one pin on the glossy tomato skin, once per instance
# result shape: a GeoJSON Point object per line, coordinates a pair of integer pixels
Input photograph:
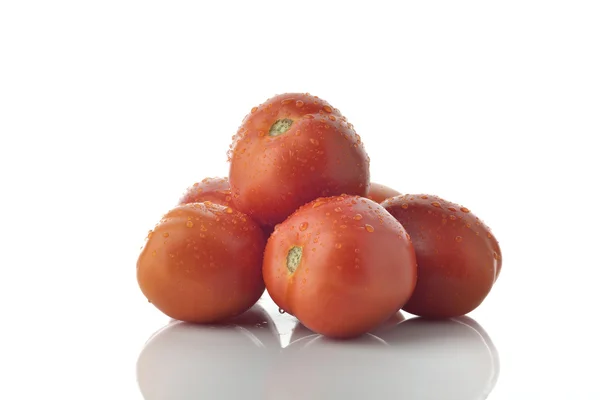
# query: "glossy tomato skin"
{"type": "Point", "coordinates": [458, 257]}
{"type": "Point", "coordinates": [357, 266]}
{"type": "Point", "coordinates": [214, 189]}
{"type": "Point", "coordinates": [378, 192]}
{"type": "Point", "coordinates": [202, 263]}
{"type": "Point", "coordinates": [318, 154]}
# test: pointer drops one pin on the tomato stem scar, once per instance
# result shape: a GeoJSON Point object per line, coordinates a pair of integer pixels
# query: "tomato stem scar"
{"type": "Point", "coordinates": [293, 258]}
{"type": "Point", "coordinates": [280, 126]}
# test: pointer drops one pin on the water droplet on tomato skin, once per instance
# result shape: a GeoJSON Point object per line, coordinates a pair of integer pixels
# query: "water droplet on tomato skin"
{"type": "Point", "coordinates": [253, 110]}
{"type": "Point", "coordinates": [369, 228]}
{"type": "Point", "coordinates": [458, 239]}
{"type": "Point", "coordinates": [299, 103]}
{"type": "Point", "coordinates": [338, 245]}
{"type": "Point", "coordinates": [166, 234]}
{"type": "Point", "coordinates": [327, 108]}
{"type": "Point", "coordinates": [303, 226]}
{"type": "Point", "coordinates": [189, 224]}
{"type": "Point", "coordinates": [464, 209]}
{"type": "Point", "coordinates": [436, 204]}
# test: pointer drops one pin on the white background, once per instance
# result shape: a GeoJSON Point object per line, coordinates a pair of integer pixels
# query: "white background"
{"type": "Point", "coordinates": [109, 110]}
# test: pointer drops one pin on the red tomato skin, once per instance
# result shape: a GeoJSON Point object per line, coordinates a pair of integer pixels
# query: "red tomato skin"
{"type": "Point", "coordinates": [320, 155]}
{"type": "Point", "coordinates": [458, 258]}
{"type": "Point", "coordinates": [358, 266]}
{"type": "Point", "coordinates": [202, 263]}
{"type": "Point", "coordinates": [378, 192]}
{"type": "Point", "coordinates": [214, 189]}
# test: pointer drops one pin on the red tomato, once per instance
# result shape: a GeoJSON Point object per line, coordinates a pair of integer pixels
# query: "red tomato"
{"type": "Point", "coordinates": [378, 192]}
{"type": "Point", "coordinates": [291, 150]}
{"type": "Point", "coordinates": [215, 190]}
{"type": "Point", "coordinates": [341, 265]}
{"type": "Point", "coordinates": [202, 263]}
{"type": "Point", "coordinates": [458, 257]}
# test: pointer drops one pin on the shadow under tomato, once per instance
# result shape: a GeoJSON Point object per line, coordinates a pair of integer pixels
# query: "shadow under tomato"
{"type": "Point", "coordinates": [301, 331]}
{"type": "Point", "coordinates": [416, 359]}
{"type": "Point", "coordinates": [218, 361]}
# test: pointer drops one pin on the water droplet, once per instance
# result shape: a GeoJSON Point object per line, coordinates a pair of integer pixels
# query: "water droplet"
{"type": "Point", "coordinates": [424, 197]}
{"type": "Point", "coordinates": [496, 256]}
{"type": "Point", "coordinates": [261, 133]}
{"type": "Point", "coordinates": [436, 204]}
{"type": "Point", "coordinates": [332, 118]}
{"type": "Point", "coordinates": [208, 203]}
{"type": "Point", "coordinates": [357, 217]}
{"type": "Point", "coordinates": [189, 224]}
{"type": "Point", "coordinates": [452, 217]}
{"type": "Point", "coordinates": [404, 205]}
{"type": "Point", "coordinates": [303, 226]}
{"type": "Point", "coordinates": [328, 109]}
{"type": "Point", "coordinates": [150, 233]}
{"type": "Point", "coordinates": [286, 101]}
{"type": "Point", "coordinates": [337, 209]}
{"type": "Point", "coordinates": [228, 210]}
{"type": "Point", "coordinates": [458, 239]}
{"type": "Point", "coordinates": [452, 209]}
{"type": "Point", "coordinates": [253, 110]}
{"type": "Point", "coordinates": [369, 228]}
{"type": "Point", "coordinates": [281, 310]}
{"type": "Point", "coordinates": [166, 234]}
{"type": "Point", "coordinates": [338, 245]}
{"type": "Point", "coordinates": [299, 103]}
{"type": "Point", "coordinates": [489, 235]}
{"type": "Point", "coordinates": [153, 253]}
{"type": "Point", "coordinates": [203, 228]}
{"type": "Point", "coordinates": [464, 209]}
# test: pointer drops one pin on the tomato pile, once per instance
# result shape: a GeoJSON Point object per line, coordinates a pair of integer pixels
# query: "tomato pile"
{"type": "Point", "coordinates": [298, 215]}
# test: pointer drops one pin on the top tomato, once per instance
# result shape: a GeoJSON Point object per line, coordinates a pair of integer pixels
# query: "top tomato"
{"type": "Point", "coordinates": [291, 150]}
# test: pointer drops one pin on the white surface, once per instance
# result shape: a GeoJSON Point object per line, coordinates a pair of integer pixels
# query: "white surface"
{"type": "Point", "coordinates": [108, 110]}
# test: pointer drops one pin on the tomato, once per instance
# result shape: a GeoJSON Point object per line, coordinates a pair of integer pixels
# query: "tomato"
{"type": "Point", "coordinates": [290, 150]}
{"type": "Point", "coordinates": [202, 263]}
{"type": "Point", "coordinates": [342, 265]}
{"type": "Point", "coordinates": [458, 257]}
{"type": "Point", "coordinates": [216, 190]}
{"type": "Point", "coordinates": [175, 360]}
{"type": "Point", "coordinates": [378, 192]}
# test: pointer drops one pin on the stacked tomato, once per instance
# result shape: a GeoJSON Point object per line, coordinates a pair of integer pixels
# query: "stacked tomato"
{"type": "Point", "coordinates": [299, 216]}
